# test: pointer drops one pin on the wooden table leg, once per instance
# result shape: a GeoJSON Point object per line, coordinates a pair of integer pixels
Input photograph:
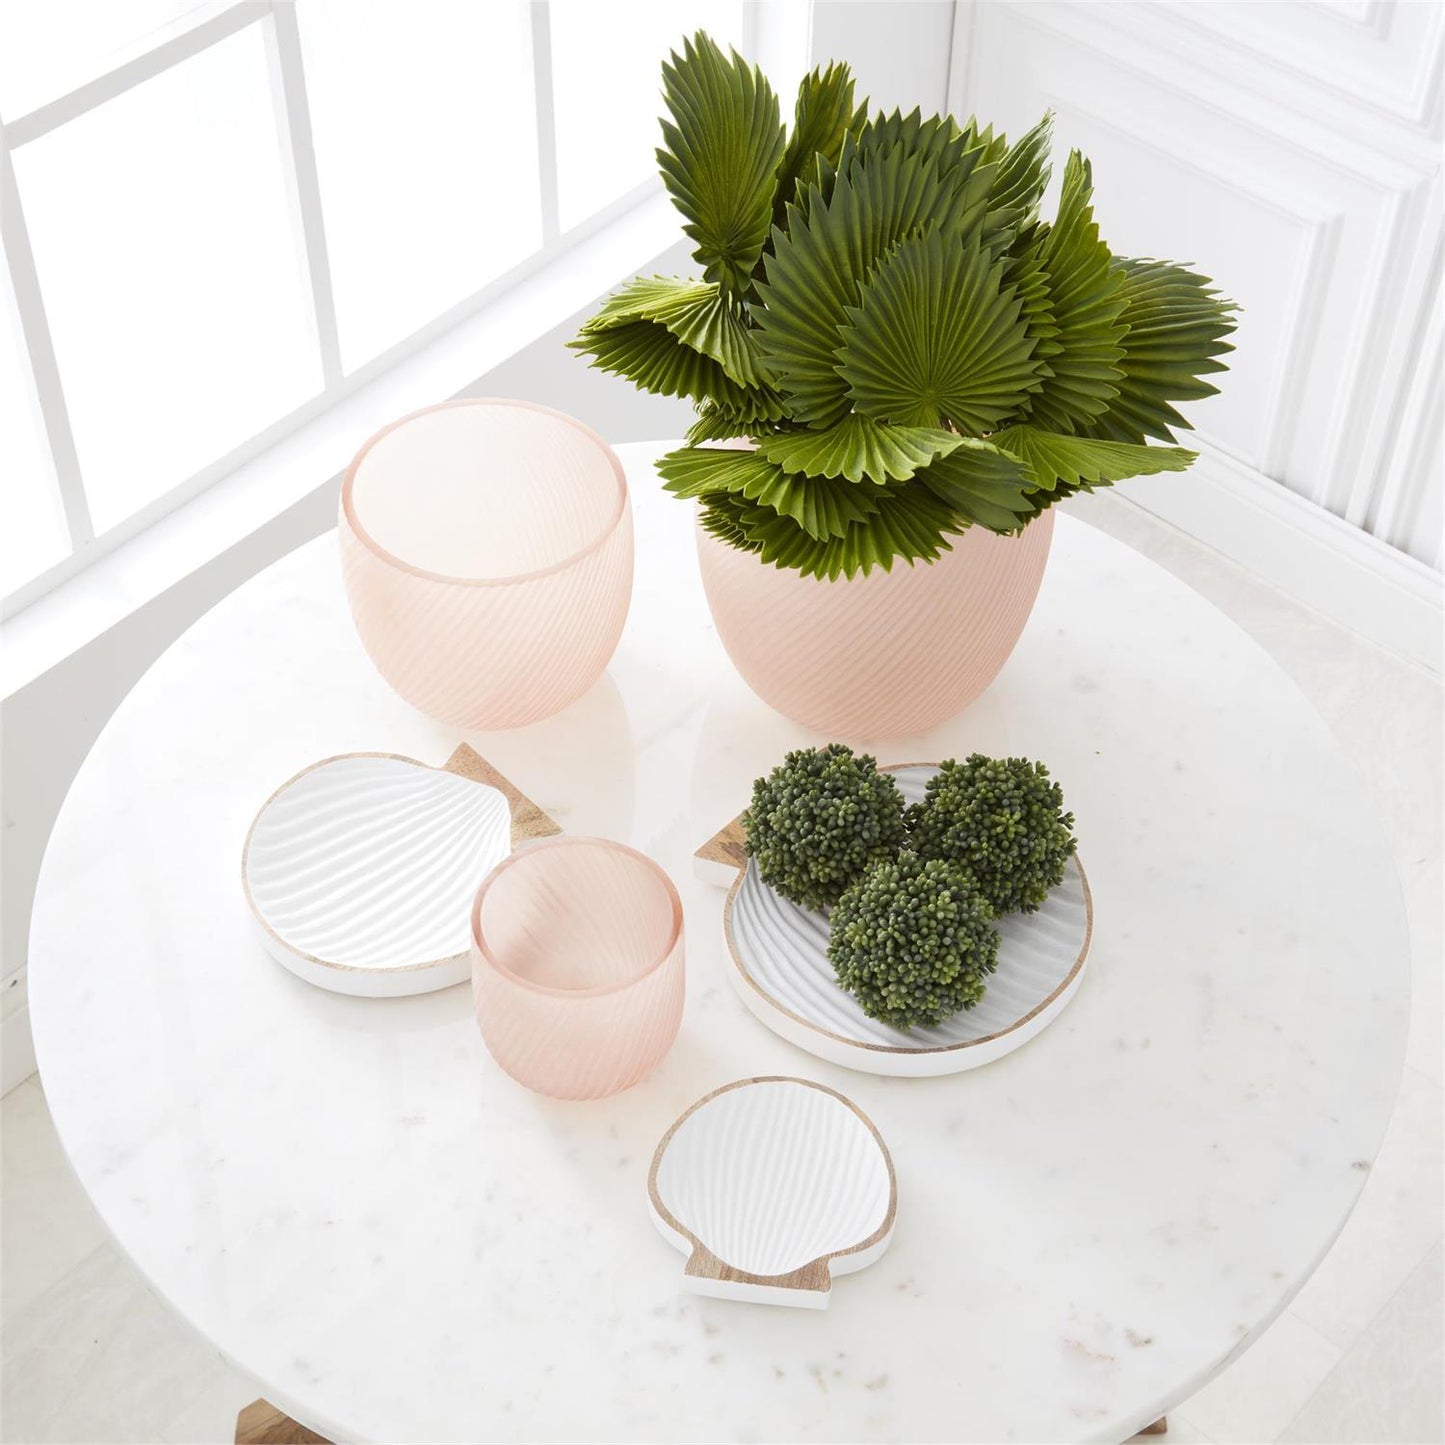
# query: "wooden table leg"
{"type": "Point", "coordinates": [261, 1423]}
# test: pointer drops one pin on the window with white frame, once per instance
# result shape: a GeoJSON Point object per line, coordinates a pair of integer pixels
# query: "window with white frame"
{"type": "Point", "coordinates": [220, 219]}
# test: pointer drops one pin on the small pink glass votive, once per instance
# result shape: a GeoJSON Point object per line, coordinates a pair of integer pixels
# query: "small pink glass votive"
{"type": "Point", "coordinates": [577, 965]}
{"type": "Point", "coordinates": [486, 547]}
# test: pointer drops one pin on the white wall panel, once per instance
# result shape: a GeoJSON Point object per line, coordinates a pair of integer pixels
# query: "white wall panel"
{"type": "Point", "coordinates": [1291, 148]}
{"type": "Point", "coordinates": [899, 50]}
{"type": "Point", "coordinates": [1383, 54]}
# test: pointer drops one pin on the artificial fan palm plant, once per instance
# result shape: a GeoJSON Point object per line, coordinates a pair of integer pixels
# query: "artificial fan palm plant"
{"type": "Point", "coordinates": [882, 313]}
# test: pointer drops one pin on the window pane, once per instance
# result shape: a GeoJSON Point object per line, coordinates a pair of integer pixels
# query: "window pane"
{"type": "Point", "coordinates": [171, 274]}
{"type": "Point", "coordinates": [607, 90]}
{"type": "Point", "coordinates": [426, 147]}
{"type": "Point", "coordinates": [32, 525]}
{"type": "Point", "coordinates": [48, 47]}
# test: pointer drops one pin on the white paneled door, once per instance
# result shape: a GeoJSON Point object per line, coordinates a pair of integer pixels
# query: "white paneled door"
{"type": "Point", "coordinates": [1292, 150]}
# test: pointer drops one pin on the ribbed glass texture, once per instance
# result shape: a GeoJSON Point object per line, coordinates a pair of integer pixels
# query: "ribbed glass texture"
{"type": "Point", "coordinates": [577, 966]}
{"type": "Point", "coordinates": [486, 548]}
{"type": "Point", "coordinates": [882, 656]}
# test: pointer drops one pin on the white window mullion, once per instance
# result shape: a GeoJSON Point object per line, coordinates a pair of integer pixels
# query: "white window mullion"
{"type": "Point", "coordinates": [546, 117]}
{"type": "Point", "coordinates": [41, 351]}
{"type": "Point", "coordinates": [135, 71]}
{"type": "Point", "coordinates": [288, 81]}
{"type": "Point", "coordinates": [282, 86]}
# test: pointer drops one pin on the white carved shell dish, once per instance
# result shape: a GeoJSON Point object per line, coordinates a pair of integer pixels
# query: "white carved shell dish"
{"type": "Point", "coordinates": [360, 872]}
{"type": "Point", "coordinates": [772, 1187]}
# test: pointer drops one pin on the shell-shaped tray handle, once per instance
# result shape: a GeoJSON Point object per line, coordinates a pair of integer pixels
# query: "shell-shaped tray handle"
{"type": "Point", "coordinates": [812, 1278]}
{"type": "Point", "coordinates": [528, 820]}
{"type": "Point", "coordinates": [723, 856]}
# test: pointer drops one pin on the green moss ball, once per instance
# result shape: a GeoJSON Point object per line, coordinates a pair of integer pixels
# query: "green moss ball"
{"type": "Point", "coordinates": [1003, 820]}
{"type": "Point", "coordinates": [913, 941]}
{"type": "Point", "coordinates": [818, 820]}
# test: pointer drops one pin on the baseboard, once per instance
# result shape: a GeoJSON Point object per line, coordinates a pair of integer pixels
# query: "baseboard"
{"type": "Point", "coordinates": [1309, 554]}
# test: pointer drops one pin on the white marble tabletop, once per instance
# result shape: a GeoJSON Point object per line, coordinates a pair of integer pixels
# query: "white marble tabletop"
{"type": "Point", "coordinates": [352, 1202]}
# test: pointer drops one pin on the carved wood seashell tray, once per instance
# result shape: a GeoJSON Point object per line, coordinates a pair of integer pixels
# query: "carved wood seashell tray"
{"type": "Point", "coordinates": [772, 1187]}
{"type": "Point", "coordinates": [779, 967]}
{"type": "Point", "coordinates": [360, 870]}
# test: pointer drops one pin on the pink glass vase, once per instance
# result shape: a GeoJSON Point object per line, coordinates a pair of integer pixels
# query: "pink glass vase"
{"type": "Point", "coordinates": [486, 548]}
{"type": "Point", "coordinates": [577, 966]}
{"type": "Point", "coordinates": [882, 656]}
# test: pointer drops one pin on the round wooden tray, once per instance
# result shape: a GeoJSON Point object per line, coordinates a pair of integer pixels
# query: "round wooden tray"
{"type": "Point", "coordinates": [781, 972]}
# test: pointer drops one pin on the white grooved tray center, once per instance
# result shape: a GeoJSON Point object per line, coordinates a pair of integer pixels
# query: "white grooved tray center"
{"type": "Point", "coordinates": [771, 1187]}
{"type": "Point", "coordinates": [360, 870]}
{"type": "Point", "coordinates": [779, 953]}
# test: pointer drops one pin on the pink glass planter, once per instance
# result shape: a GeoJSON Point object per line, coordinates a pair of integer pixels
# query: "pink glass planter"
{"type": "Point", "coordinates": [486, 548]}
{"type": "Point", "coordinates": [881, 656]}
{"type": "Point", "coordinates": [577, 966]}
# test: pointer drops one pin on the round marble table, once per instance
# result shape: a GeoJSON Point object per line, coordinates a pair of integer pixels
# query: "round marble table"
{"type": "Point", "coordinates": [352, 1202]}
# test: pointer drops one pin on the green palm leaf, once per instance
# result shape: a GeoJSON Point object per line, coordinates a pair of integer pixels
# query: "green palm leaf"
{"type": "Point", "coordinates": [969, 156]}
{"type": "Point", "coordinates": [652, 358]}
{"type": "Point", "coordinates": [1085, 307]}
{"type": "Point", "coordinates": [912, 524]}
{"type": "Point", "coordinates": [714, 424]}
{"type": "Point", "coordinates": [1018, 186]}
{"type": "Point", "coordinates": [937, 337]}
{"type": "Point", "coordinates": [938, 140]}
{"type": "Point", "coordinates": [817, 269]}
{"type": "Point", "coordinates": [823, 116]}
{"type": "Point", "coordinates": [722, 517]}
{"type": "Point", "coordinates": [720, 158]}
{"type": "Point", "coordinates": [859, 449]}
{"type": "Point", "coordinates": [1025, 273]}
{"type": "Point", "coordinates": [696, 471]}
{"type": "Point", "coordinates": [1057, 461]}
{"type": "Point", "coordinates": [1177, 324]}
{"type": "Point", "coordinates": [699, 313]}
{"type": "Point", "coordinates": [983, 484]}
{"type": "Point", "coordinates": [822, 506]}
{"type": "Point", "coordinates": [719, 421]}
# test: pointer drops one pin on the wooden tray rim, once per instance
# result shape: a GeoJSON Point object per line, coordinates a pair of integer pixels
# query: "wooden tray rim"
{"type": "Point", "coordinates": [711, 850]}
